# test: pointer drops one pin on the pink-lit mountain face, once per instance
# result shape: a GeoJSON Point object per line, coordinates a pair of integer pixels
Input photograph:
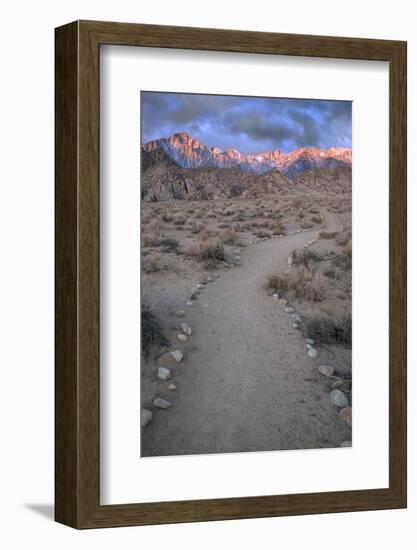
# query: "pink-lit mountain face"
{"type": "Point", "coordinates": [188, 152]}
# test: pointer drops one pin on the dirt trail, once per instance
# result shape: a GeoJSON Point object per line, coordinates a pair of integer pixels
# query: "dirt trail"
{"type": "Point", "coordinates": [246, 383]}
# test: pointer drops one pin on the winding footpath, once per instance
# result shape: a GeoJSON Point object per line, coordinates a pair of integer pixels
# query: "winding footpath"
{"type": "Point", "coordinates": [246, 382]}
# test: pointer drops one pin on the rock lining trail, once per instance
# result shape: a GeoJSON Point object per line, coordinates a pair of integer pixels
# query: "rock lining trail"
{"type": "Point", "coordinates": [246, 382]}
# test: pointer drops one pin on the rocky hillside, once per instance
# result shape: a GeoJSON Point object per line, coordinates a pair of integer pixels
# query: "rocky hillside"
{"type": "Point", "coordinates": [163, 180]}
{"type": "Point", "coordinates": [188, 152]}
{"type": "Point", "coordinates": [336, 180]}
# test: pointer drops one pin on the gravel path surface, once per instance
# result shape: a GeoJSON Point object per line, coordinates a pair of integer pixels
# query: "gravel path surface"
{"type": "Point", "coordinates": [246, 382]}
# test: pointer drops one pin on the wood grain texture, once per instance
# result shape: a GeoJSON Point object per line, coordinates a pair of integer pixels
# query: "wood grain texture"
{"type": "Point", "coordinates": [66, 238]}
{"type": "Point", "coordinates": [78, 284]}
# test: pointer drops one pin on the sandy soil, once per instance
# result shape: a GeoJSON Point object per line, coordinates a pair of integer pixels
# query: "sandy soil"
{"type": "Point", "coordinates": [246, 382]}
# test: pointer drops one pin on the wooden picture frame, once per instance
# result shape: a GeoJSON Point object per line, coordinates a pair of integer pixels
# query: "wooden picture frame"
{"type": "Point", "coordinates": [77, 382]}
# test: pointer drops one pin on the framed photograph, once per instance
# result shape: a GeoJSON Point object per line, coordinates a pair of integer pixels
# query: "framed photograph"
{"type": "Point", "coordinates": [230, 274]}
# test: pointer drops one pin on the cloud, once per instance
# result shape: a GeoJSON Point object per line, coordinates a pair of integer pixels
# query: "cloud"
{"type": "Point", "coordinates": [248, 124]}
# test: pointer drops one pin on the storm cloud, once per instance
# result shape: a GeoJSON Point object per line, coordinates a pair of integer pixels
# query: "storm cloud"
{"type": "Point", "coordinates": [248, 124]}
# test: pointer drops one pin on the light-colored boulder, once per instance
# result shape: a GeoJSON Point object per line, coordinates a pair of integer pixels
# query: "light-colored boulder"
{"type": "Point", "coordinates": [164, 373]}
{"type": "Point", "coordinates": [326, 370]}
{"type": "Point", "coordinates": [177, 355]}
{"type": "Point", "coordinates": [145, 417]}
{"type": "Point", "coordinates": [160, 403]}
{"type": "Point", "coordinates": [186, 329]}
{"type": "Point", "coordinates": [338, 398]}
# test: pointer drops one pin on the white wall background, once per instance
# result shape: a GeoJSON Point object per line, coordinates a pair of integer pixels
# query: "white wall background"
{"type": "Point", "coordinates": [26, 289]}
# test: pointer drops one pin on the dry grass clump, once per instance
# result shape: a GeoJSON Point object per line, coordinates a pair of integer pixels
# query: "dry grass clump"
{"type": "Point", "coordinates": [305, 256]}
{"type": "Point", "coordinates": [151, 233]}
{"type": "Point", "coordinates": [208, 252]}
{"type": "Point", "coordinates": [229, 236]}
{"type": "Point", "coordinates": [179, 220]}
{"type": "Point", "coordinates": [204, 235]}
{"type": "Point", "coordinates": [263, 234]}
{"type": "Point", "coordinates": [167, 217]}
{"type": "Point", "coordinates": [278, 229]}
{"type": "Point", "coordinates": [306, 284]}
{"type": "Point", "coordinates": [298, 203]}
{"type": "Point", "coordinates": [328, 330]}
{"type": "Point", "coordinates": [277, 282]}
{"type": "Point", "coordinates": [196, 227]}
{"type": "Point", "coordinates": [239, 217]}
{"type": "Point", "coordinates": [262, 224]}
{"type": "Point", "coordinates": [150, 265]}
{"type": "Point", "coordinates": [343, 238]}
{"type": "Point", "coordinates": [152, 334]}
{"type": "Point", "coordinates": [328, 234]}
{"type": "Point", "coordinates": [343, 262]}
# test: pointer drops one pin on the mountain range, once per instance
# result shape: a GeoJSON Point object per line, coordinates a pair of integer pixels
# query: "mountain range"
{"type": "Point", "coordinates": [164, 179]}
{"type": "Point", "coordinates": [187, 152]}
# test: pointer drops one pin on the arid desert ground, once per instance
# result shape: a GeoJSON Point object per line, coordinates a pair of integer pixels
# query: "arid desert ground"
{"type": "Point", "coordinates": [246, 320]}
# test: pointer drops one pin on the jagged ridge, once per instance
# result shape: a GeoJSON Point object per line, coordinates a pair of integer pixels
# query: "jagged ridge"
{"type": "Point", "coordinates": [188, 152]}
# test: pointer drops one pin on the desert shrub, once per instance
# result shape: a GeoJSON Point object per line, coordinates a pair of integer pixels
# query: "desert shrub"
{"type": "Point", "coordinates": [328, 330]}
{"type": "Point", "coordinates": [263, 234]}
{"type": "Point", "coordinates": [343, 261]}
{"type": "Point", "coordinates": [278, 229]}
{"type": "Point", "coordinates": [277, 282]}
{"type": "Point", "coordinates": [314, 210]}
{"type": "Point", "coordinates": [228, 236]}
{"type": "Point", "coordinates": [330, 273]}
{"type": "Point", "coordinates": [306, 225]}
{"type": "Point", "coordinates": [342, 239]}
{"type": "Point", "coordinates": [204, 235]}
{"type": "Point", "coordinates": [306, 284]}
{"type": "Point", "coordinates": [179, 220]}
{"type": "Point", "coordinates": [327, 234]}
{"type": "Point", "coordinates": [152, 334]}
{"type": "Point", "coordinates": [209, 252]}
{"type": "Point", "coordinates": [168, 244]}
{"type": "Point", "coordinates": [151, 233]}
{"type": "Point", "coordinates": [316, 219]}
{"type": "Point", "coordinates": [277, 216]}
{"type": "Point", "coordinates": [305, 256]}
{"type": "Point", "coordinates": [223, 225]}
{"type": "Point", "coordinates": [239, 217]}
{"type": "Point", "coordinates": [196, 227]}
{"type": "Point", "coordinates": [167, 217]}
{"type": "Point", "coordinates": [150, 265]}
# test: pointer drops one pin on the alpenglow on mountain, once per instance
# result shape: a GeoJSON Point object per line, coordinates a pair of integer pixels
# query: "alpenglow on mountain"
{"type": "Point", "coordinates": [188, 152]}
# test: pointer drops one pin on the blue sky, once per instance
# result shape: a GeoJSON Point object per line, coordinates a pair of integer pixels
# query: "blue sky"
{"type": "Point", "coordinates": [248, 124]}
